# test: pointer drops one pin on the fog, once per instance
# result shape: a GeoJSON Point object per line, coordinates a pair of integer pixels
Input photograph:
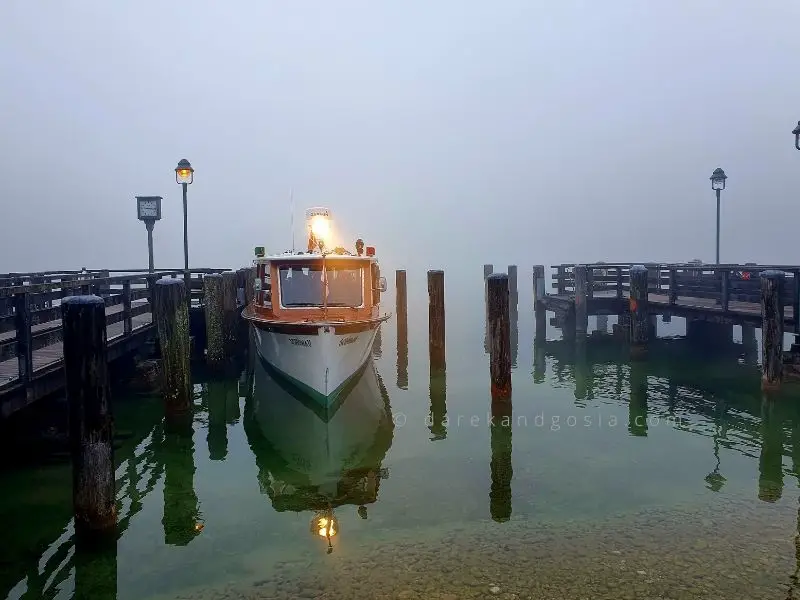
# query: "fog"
{"type": "Point", "coordinates": [444, 133]}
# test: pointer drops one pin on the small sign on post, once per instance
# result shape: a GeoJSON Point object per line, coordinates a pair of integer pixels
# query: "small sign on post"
{"type": "Point", "coordinates": [148, 209]}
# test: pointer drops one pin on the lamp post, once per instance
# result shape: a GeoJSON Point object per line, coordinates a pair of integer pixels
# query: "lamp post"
{"type": "Point", "coordinates": [184, 174]}
{"type": "Point", "coordinates": [718, 178]}
{"type": "Point", "coordinates": [148, 209]}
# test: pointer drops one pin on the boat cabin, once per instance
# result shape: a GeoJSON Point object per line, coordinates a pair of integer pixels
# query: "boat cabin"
{"type": "Point", "coordinates": [317, 287]}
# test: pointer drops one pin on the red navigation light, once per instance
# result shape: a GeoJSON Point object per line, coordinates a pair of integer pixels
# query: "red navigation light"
{"type": "Point", "coordinates": [370, 250]}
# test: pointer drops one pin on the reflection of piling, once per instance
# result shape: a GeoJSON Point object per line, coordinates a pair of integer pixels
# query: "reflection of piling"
{"type": "Point", "coordinates": [639, 323]}
{"type": "Point", "coordinates": [90, 418]}
{"type": "Point", "coordinates": [173, 336]}
{"type": "Point", "coordinates": [181, 510]}
{"type": "Point", "coordinates": [217, 437]}
{"type": "Point", "coordinates": [581, 371]}
{"type": "Point", "coordinates": [538, 302]}
{"type": "Point", "coordinates": [436, 319]}
{"type": "Point", "coordinates": [637, 406]}
{"type": "Point", "coordinates": [772, 283]}
{"type": "Point", "coordinates": [95, 570]}
{"type": "Point", "coordinates": [500, 465]}
{"type": "Point", "coordinates": [437, 419]}
{"type": "Point", "coordinates": [215, 338]}
{"type": "Point", "coordinates": [229, 312]}
{"type": "Point", "coordinates": [539, 363]}
{"type": "Point", "coordinates": [770, 461]}
{"type": "Point", "coordinates": [499, 337]}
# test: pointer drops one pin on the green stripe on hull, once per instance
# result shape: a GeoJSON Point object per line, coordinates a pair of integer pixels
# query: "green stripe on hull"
{"type": "Point", "coordinates": [323, 406]}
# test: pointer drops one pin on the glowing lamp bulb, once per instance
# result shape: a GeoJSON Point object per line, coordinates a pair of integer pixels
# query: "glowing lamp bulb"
{"type": "Point", "coordinates": [320, 227]}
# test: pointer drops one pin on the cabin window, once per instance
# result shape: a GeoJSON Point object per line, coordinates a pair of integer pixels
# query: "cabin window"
{"type": "Point", "coordinates": [304, 285]}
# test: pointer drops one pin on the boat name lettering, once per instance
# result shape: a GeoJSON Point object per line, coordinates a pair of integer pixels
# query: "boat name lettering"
{"type": "Point", "coordinates": [348, 340]}
{"type": "Point", "coordinates": [299, 342]}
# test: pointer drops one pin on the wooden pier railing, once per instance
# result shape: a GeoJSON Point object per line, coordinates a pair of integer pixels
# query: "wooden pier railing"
{"type": "Point", "coordinates": [722, 284]}
{"type": "Point", "coordinates": [30, 322]}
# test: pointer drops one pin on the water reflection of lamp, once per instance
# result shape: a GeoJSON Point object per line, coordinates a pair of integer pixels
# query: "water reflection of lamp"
{"type": "Point", "coordinates": [325, 524]}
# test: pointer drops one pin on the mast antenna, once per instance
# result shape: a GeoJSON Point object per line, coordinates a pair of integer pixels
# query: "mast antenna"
{"type": "Point", "coordinates": [291, 202]}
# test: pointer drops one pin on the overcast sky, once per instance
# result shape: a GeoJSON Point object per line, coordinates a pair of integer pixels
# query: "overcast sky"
{"type": "Point", "coordinates": [441, 131]}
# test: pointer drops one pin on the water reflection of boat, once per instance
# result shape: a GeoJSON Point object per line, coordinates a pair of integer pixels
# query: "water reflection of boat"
{"type": "Point", "coordinates": [312, 460]}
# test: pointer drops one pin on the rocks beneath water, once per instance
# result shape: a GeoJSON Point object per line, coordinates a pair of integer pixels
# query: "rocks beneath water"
{"type": "Point", "coordinates": [669, 554]}
{"type": "Point", "coordinates": [146, 378]}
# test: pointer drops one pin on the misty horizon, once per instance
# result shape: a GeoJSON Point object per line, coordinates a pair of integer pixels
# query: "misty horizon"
{"type": "Point", "coordinates": [445, 135]}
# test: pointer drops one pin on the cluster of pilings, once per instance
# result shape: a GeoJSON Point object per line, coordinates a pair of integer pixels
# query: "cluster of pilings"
{"type": "Point", "coordinates": [87, 381]}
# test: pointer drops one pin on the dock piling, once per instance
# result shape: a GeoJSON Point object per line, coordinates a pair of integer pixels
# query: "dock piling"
{"type": "Point", "coordinates": [172, 322]}
{"type": "Point", "coordinates": [772, 283]}
{"type": "Point", "coordinates": [436, 319]}
{"type": "Point", "coordinates": [538, 302]}
{"type": "Point", "coordinates": [638, 301]}
{"type": "Point", "coordinates": [229, 314]}
{"type": "Point", "coordinates": [90, 418]}
{"type": "Point", "coordinates": [581, 301]}
{"type": "Point", "coordinates": [499, 337]}
{"type": "Point", "coordinates": [402, 329]}
{"type": "Point", "coordinates": [215, 336]}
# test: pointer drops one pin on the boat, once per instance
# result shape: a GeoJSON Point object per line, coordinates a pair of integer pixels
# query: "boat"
{"type": "Point", "coordinates": [315, 314]}
{"type": "Point", "coordinates": [313, 461]}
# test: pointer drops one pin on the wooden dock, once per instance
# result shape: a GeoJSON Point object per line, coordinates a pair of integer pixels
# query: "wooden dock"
{"type": "Point", "coordinates": [31, 354]}
{"type": "Point", "coordinates": [712, 299]}
{"type": "Point", "coordinates": [726, 294]}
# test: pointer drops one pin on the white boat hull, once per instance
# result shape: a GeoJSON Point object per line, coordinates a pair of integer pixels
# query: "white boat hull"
{"type": "Point", "coordinates": [319, 360]}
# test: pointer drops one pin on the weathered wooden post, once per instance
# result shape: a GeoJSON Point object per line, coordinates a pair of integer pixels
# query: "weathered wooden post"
{"type": "Point", "coordinates": [638, 303]}
{"type": "Point", "coordinates": [127, 318]}
{"type": "Point", "coordinates": [499, 337]}
{"type": "Point", "coordinates": [500, 465]}
{"type": "Point", "coordinates": [215, 336]}
{"type": "Point", "coordinates": [172, 319]}
{"type": "Point", "coordinates": [24, 337]}
{"type": "Point", "coordinates": [772, 283]}
{"type": "Point", "coordinates": [91, 427]}
{"type": "Point", "coordinates": [561, 280]}
{"type": "Point", "coordinates": [402, 329]}
{"type": "Point", "coordinates": [249, 285]}
{"type": "Point", "coordinates": [538, 302]}
{"type": "Point", "coordinates": [487, 270]}
{"type": "Point", "coordinates": [229, 313]}
{"type": "Point", "coordinates": [512, 285]}
{"type": "Point", "coordinates": [581, 301]}
{"type": "Point", "coordinates": [436, 320]}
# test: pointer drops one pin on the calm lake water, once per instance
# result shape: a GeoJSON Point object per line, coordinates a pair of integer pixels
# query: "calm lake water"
{"type": "Point", "coordinates": [666, 478]}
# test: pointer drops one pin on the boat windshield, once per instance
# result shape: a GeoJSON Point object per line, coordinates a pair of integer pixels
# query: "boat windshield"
{"type": "Point", "coordinates": [304, 285]}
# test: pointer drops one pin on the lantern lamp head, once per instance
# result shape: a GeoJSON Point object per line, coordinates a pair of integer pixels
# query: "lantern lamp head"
{"type": "Point", "coordinates": [796, 132]}
{"type": "Point", "coordinates": [359, 246]}
{"type": "Point", "coordinates": [718, 178]}
{"type": "Point", "coordinates": [184, 173]}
